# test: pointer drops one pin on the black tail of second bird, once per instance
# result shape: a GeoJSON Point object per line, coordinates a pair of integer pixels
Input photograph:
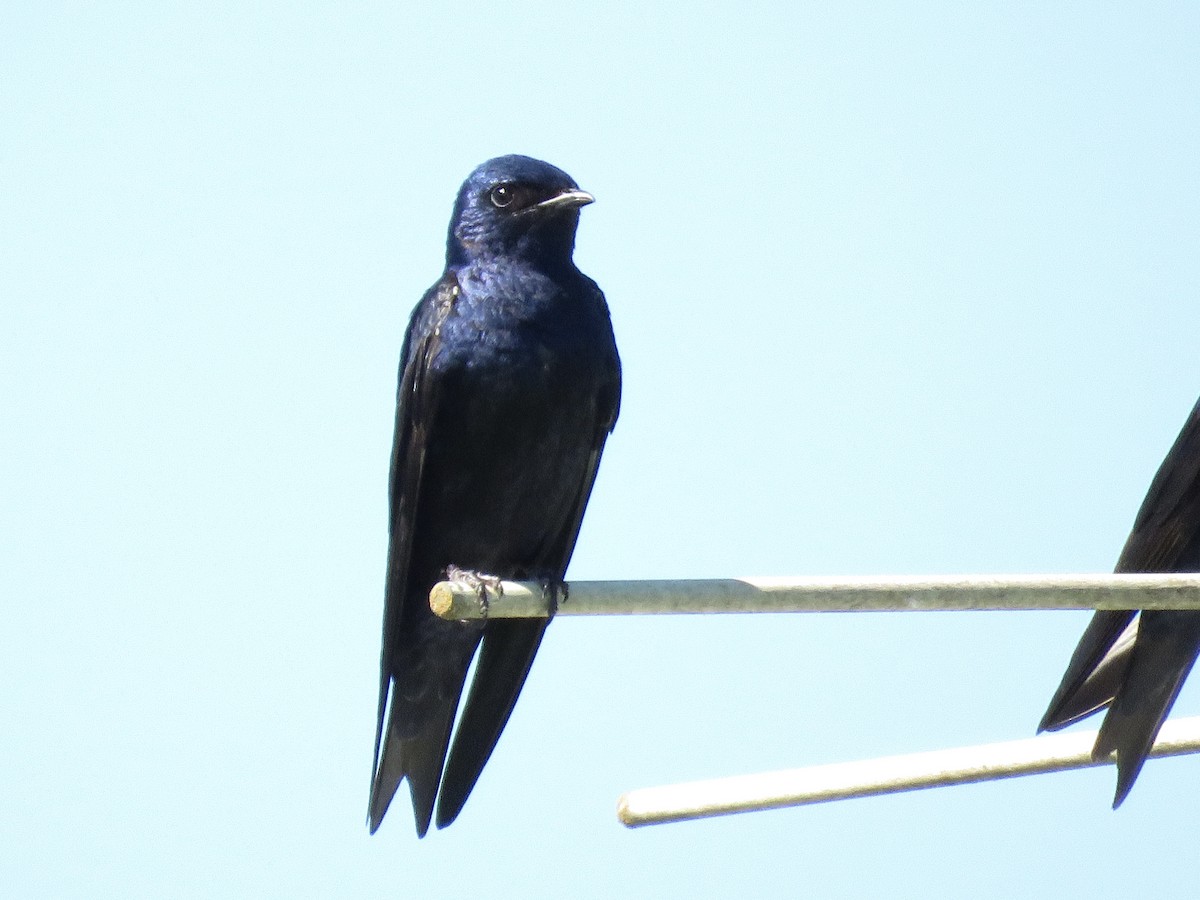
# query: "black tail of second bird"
{"type": "Point", "coordinates": [1159, 662]}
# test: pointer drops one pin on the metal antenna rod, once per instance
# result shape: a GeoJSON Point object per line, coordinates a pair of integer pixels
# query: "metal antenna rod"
{"type": "Point", "coordinates": [460, 600]}
{"type": "Point", "coordinates": [886, 775]}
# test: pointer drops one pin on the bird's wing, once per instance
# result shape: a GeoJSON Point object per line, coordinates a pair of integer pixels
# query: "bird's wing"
{"type": "Point", "coordinates": [419, 758]}
{"type": "Point", "coordinates": [1165, 527]}
{"type": "Point", "coordinates": [1095, 670]}
{"type": "Point", "coordinates": [1170, 515]}
{"type": "Point", "coordinates": [1165, 538]}
{"type": "Point", "coordinates": [509, 645]}
{"type": "Point", "coordinates": [1136, 669]}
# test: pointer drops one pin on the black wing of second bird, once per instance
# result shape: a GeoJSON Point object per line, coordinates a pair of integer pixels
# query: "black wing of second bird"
{"type": "Point", "coordinates": [1136, 668]}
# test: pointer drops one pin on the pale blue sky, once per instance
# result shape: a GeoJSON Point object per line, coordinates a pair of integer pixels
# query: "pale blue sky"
{"type": "Point", "coordinates": [910, 289]}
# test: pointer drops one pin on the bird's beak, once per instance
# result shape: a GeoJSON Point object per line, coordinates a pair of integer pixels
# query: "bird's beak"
{"type": "Point", "coordinates": [567, 200]}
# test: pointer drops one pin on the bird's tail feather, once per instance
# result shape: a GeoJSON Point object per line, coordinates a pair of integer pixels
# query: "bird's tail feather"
{"type": "Point", "coordinates": [1158, 665]}
{"type": "Point", "coordinates": [418, 758]}
{"type": "Point", "coordinates": [509, 646]}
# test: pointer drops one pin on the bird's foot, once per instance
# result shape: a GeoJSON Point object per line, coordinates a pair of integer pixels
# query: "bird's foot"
{"type": "Point", "coordinates": [554, 592]}
{"type": "Point", "coordinates": [480, 583]}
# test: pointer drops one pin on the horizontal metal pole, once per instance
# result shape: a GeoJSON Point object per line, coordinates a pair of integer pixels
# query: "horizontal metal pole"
{"type": "Point", "coordinates": [887, 775]}
{"type": "Point", "coordinates": [459, 600]}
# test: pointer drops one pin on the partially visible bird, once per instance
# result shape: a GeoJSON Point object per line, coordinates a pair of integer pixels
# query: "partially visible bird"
{"type": "Point", "coordinates": [1135, 667]}
{"type": "Point", "coordinates": [509, 385]}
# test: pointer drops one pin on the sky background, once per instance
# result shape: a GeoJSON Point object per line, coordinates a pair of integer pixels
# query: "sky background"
{"type": "Point", "coordinates": [899, 289]}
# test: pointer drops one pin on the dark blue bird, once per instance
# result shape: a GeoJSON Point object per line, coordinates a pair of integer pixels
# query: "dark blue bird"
{"type": "Point", "coordinates": [509, 385]}
{"type": "Point", "coordinates": [1136, 667]}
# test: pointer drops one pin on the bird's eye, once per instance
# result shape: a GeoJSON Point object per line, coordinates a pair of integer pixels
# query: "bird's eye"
{"type": "Point", "coordinates": [503, 195]}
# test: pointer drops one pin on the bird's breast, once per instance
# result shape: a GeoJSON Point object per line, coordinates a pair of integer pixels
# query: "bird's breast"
{"type": "Point", "coordinates": [515, 428]}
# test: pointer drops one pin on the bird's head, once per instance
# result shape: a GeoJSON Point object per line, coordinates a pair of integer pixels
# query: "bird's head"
{"type": "Point", "coordinates": [515, 206]}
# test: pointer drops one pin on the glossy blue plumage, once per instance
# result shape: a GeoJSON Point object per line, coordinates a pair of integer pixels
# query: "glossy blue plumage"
{"type": "Point", "coordinates": [509, 385]}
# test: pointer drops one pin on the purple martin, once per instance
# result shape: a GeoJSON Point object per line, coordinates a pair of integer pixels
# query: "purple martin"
{"type": "Point", "coordinates": [509, 385]}
{"type": "Point", "coordinates": [1135, 667]}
